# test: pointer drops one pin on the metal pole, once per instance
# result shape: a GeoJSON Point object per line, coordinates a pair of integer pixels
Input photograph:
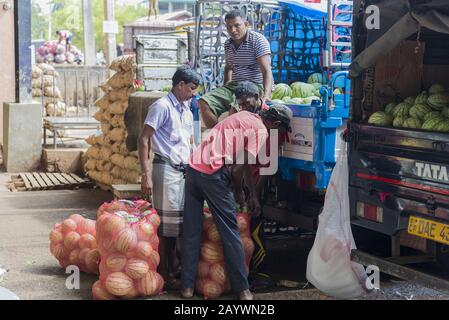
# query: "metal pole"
{"type": "Point", "coordinates": [89, 37]}
{"type": "Point", "coordinates": [110, 40]}
{"type": "Point", "coordinates": [22, 43]}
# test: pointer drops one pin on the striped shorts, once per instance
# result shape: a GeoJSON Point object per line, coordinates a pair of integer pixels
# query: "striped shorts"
{"type": "Point", "coordinates": [168, 198]}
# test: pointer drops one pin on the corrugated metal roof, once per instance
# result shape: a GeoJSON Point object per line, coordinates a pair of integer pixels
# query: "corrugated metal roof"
{"type": "Point", "coordinates": [168, 20]}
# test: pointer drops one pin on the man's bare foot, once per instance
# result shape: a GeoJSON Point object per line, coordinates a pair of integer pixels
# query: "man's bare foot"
{"type": "Point", "coordinates": [187, 293]}
{"type": "Point", "coordinates": [246, 295]}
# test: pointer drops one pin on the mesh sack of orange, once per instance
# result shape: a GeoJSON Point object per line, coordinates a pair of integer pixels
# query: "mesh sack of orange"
{"type": "Point", "coordinates": [212, 277]}
{"type": "Point", "coordinates": [137, 206]}
{"type": "Point", "coordinates": [128, 244]}
{"type": "Point", "coordinates": [73, 242]}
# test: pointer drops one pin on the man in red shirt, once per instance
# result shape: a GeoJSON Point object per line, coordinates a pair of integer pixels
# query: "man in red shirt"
{"type": "Point", "coordinates": [247, 98]}
{"type": "Point", "coordinates": [237, 140]}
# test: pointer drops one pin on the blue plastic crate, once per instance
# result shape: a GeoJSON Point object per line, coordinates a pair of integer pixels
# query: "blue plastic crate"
{"type": "Point", "coordinates": [315, 130]}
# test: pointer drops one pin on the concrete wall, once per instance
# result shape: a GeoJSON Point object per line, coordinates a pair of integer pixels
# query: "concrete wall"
{"type": "Point", "coordinates": [7, 62]}
{"type": "Point", "coordinates": [22, 126]}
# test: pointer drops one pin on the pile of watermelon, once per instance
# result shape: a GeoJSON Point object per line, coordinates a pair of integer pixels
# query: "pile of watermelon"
{"type": "Point", "coordinates": [298, 92]}
{"type": "Point", "coordinates": [427, 111]}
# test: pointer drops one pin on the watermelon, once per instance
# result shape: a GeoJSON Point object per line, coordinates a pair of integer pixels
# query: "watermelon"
{"type": "Point", "coordinates": [281, 90]}
{"type": "Point", "coordinates": [401, 109]}
{"type": "Point", "coordinates": [309, 100]}
{"type": "Point", "coordinates": [438, 101]}
{"type": "Point", "coordinates": [167, 88]}
{"type": "Point", "coordinates": [317, 93]}
{"type": "Point", "coordinates": [442, 126]}
{"type": "Point", "coordinates": [422, 98]}
{"type": "Point", "coordinates": [399, 121]}
{"type": "Point", "coordinates": [445, 112]}
{"type": "Point", "coordinates": [432, 123]}
{"type": "Point", "coordinates": [432, 114]}
{"type": "Point", "coordinates": [419, 111]}
{"type": "Point", "coordinates": [390, 107]}
{"type": "Point", "coordinates": [277, 101]}
{"type": "Point", "coordinates": [317, 85]}
{"type": "Point", "coordinates": [338, 91]}
{"type": "Point", "coordinates": [412, 123]}
{"type": "Point", "coordinates": [285, 99]}
{"type": "Point", "coordinates": [436, 89]}
{"type": "Point", "coordinates": [380, 118]}
{"type": "Point", "coordinates": [315, 78]}
{"type": "Point", "coordinates": [295, 101]}
{"type": "Point", "coordinates": [410, 100]}
{"type": "Point", "coordinates": [302, 90]}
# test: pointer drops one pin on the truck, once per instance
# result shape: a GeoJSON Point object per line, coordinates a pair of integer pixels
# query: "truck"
{"type": "Point", "coordinates": [398, 181]}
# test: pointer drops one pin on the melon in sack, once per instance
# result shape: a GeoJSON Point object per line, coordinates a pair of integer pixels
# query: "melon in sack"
{"type": "Point", "coordinates": [329, 265]}
{"type": "Point", "coordinates": [126, 240]}
{"type": "Point", "coordinates": [212, 277]}
{"type": "Point", "coordinates": [73, 242]}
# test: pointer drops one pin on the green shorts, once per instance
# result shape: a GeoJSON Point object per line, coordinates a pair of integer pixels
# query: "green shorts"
{"type": "Point", "coordinates": [221, 99]}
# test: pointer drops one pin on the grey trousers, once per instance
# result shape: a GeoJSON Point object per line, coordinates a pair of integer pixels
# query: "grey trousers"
{"type": "Point", "coordinates": [216, 190]}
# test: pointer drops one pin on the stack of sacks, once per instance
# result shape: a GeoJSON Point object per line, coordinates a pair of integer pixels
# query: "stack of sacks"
{"type": "Point", "coordinates": [108, 161]}
{"type": "Point", "coordinates": [36, 82]}
{"type": "Point", "coordinates": [44, 85]}
{"type": "Point", "coordinates": [73, 242]}
{"type": "Point", "coordinates": [212, 278]}
{"type": "Point", "coordinates": [128, 244]}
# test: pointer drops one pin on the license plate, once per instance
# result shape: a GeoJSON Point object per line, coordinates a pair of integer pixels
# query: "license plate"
{"type": "Point", "coordinates": [429, 229]}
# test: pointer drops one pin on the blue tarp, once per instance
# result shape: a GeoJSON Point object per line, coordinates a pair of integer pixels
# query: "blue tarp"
{"type": "Point", "coordinates": [304, 10]}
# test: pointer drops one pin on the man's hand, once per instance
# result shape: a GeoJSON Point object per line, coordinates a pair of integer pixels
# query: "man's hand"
{"type": "Point", "coordinates": [146, 185]}
{"type": "Point", "coordinates": [267, 73]}
{"type": "Point", "coordinates": [254, 206]}
{"type": "Point", "coordinates": [265, 100]}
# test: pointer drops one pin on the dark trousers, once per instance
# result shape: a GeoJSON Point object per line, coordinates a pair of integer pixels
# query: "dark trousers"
{"type": "Point", "coordinates": [216, 190]}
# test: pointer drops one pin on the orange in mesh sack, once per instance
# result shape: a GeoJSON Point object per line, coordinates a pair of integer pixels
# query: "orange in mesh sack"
{"type": "Point", "coordinates": [212, 278]}
{"type": "Point", "coordinates": [73, 242]}
{"type": "Point", "coordinates": [128, 244]}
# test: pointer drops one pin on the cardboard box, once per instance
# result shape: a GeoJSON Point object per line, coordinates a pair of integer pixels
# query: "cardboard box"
{"type": "Point", "coordinates": [398, 73]}
{"type": "Point", "coordinates": [63, 160]}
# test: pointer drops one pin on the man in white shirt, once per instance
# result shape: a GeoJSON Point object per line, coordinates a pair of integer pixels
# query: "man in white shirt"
{"type": "Point", "coordinates": [168, 131]}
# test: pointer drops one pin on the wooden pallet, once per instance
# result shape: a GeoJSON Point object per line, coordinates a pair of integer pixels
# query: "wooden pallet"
{"type": "Point", "coordinates": [37, 181]}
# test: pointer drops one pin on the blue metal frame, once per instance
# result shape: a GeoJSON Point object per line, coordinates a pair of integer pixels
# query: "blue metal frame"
{"type": "Point", "coordinates": [326, 122]}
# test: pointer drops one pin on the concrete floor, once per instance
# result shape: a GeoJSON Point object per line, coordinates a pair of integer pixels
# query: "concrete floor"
{"type": "Point", "coordinates": [25, 222]}
{"type": "Point", "coordinates": [26, 219]}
